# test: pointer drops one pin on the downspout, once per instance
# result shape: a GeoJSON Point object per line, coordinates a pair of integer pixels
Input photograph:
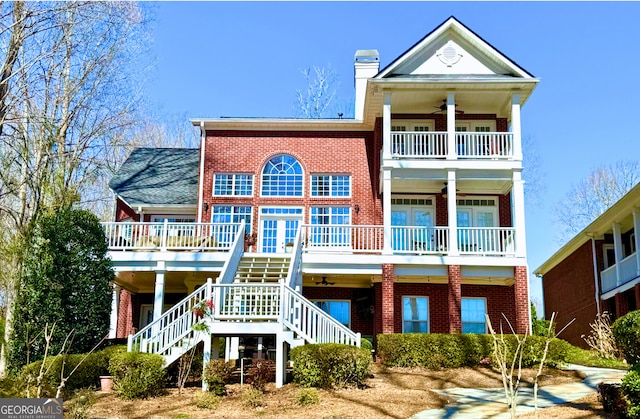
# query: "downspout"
{"type": "Point", "coordinates": [203, 133]}
{"type": "Point", "coordinates": [595, 273]}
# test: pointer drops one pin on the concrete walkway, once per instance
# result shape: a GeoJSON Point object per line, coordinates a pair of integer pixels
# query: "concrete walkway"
{"type": "Point", "coordinates": [490, 402]}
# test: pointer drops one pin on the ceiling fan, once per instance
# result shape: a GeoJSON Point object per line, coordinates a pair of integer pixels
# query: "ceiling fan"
{"type": "Point", "coordinates": [443, 191]}
{"type": "Point", "coordinates": [325, 282]}
{"type": "Point", "coordinates": [443, 108]}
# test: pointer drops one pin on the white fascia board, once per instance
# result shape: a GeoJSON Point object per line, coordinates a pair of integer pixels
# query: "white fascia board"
{"type": "Point", "coordinates": [281, 124]}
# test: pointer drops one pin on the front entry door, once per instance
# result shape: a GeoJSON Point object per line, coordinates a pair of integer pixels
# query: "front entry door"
{"type": "Point", "coordinates": [278, 228]}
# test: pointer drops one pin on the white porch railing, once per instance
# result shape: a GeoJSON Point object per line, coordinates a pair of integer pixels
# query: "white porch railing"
{"type": "Point", "coordinates": [484, 144]}
{"type": "Point", "coordinates": [342, 238]}
{"type": "Point", "coordinates": [169, 236]}
{"type": "Point", "coordinates": [628, 272]}
{"type": "Point", "coordinates": [418, 239]}
{"type": "Point", "coordinates": [311, 323]}
{"type": "Point", "coordinates": [487, 240]}
{"type": "Point", "coordinates": [419, 144]}
{"type": "Point", "coordinates": [608, 279]}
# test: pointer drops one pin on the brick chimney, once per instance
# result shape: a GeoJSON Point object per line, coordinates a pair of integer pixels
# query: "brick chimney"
{"type": "Point", "coordinates": [366, 65]}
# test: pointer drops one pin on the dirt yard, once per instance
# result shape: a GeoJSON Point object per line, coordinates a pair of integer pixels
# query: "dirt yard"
{"type": "Point", "coordinates": [390, 393]}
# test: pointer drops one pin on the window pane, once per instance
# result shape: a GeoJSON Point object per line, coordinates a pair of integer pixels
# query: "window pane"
{"type": "Point", "coordinates": [473, 315]}
{"type": "Point", "coordinates": [282, 176]}
{"type": "Point", "coordinates": [339, 310]}
{"type": "Point", "coordinates": [415, 314]}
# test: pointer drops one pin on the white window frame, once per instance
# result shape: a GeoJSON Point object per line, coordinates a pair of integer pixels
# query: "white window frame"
{"type": "Point", "coordinates": [248, 225]}
{"type": "Point", "coordinates": [605, 259]}
{"type": "Point", "coordinates": [417, 321]}
{"type": "Point", "coordinates": [234, 184]}
{"type": "Point", "coordinates": [412, 124]}
{"type": "Point", "coordinates": [486, 309]}
{"type": "Point", "coordinates": [263, 183]}
{"type": "Point", "coordinates": [495, 209]}
{"type": "Point", "coordinates": [473, 125]}
{"type": "Point", "coordinates": [334, 300]}
{"type": "Point", "coordinates": [332, 179]}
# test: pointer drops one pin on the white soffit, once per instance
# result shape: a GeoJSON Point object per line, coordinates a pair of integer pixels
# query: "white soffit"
{"type": "Point", "coordinates": [453, 49]}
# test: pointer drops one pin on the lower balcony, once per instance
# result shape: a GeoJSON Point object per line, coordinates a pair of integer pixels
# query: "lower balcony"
{"type": "Point", "coordinates": [349, 239]}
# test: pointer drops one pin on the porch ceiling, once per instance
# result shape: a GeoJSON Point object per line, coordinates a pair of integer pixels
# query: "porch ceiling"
{"type": "Point", "coordinates": [468, 101]}
{"type": "Point", "coordinates": [434, 186]}
{"type": "Point", "coordinates": [178, 282]}
{"type": "Point", "coordinates": [337, 281]}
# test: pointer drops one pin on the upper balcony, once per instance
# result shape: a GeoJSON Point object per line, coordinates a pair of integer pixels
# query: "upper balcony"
{"type": "Point", "coordinates": [467, 145]}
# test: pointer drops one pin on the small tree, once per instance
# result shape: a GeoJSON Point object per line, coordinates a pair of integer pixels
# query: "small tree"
{"type": "Point", "coordinates": [65, 281]}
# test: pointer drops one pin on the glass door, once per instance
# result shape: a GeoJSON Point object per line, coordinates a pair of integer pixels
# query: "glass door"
{"type": "Point", "coordinates": [278, 229]}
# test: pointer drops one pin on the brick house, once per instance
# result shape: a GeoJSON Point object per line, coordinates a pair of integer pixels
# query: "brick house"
{"type": "Point", "coordinates": [598, 270]}
{"type": "Point", "coordinates": [407, 218]}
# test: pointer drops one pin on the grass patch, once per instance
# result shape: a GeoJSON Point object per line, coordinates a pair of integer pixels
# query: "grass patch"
{"type": "Point", "coordinates": [590, 358]}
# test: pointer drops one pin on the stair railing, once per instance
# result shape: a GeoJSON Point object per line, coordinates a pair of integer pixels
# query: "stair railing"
{"type": "Point", "coordinates": [174, 325]}
{"type": "Point", "coordinates": [294, 276]}
{"type": "Point", "coordinates": [311, 323]}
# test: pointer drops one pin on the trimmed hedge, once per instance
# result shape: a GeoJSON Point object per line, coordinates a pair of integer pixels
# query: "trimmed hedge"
{"type": "Point", "coordinates": [436, 351]}
{"type": "Point", "coordinates": [137, 375]}
{"type": "Point", "coordinates": [626, 331]}
{"type": "Point", "coordinates": [86, 376]}
{"type": "Point", "coordinates": [330, 365]}
{"type": "Point", "coordinates": [631, 390]}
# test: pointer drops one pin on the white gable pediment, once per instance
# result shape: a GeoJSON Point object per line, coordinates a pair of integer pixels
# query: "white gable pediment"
{"type": "Point", "coordinates": [452, 49]}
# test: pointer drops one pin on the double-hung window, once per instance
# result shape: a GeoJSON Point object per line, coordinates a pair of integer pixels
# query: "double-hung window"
{"type": "Point", "coordinates": [232, 184]}
{"type": "Point", "coordinates": [335, 186]}
{"type": "Point", "coordinates": [474, 312]}
{"type": "Point", "coordinates": [415, 315]}
{"type": "Point", "coordinates": [330, 226]}
{"type": "Point", "coordinates": [225, 215]}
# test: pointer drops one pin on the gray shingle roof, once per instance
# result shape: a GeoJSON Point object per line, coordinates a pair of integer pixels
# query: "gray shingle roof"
{"type": "Point", "coordinates": [158, 176]}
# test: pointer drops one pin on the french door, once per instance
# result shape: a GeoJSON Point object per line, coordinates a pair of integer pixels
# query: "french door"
{"type": "Point", "coordinates": [413, 237]}
{"type": "Point", "coordinates": [278, 228]}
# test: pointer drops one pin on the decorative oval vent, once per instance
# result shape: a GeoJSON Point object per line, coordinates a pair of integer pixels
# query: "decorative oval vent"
{"type": "Point", "coordinates": [449, 55]}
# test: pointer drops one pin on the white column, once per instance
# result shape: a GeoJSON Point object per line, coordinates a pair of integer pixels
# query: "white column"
{"type": "Point", "coordinates": [115, 308]}
{"type": "Point", "coordinates": [451, 127]}
{"type": "Point", "coordinates": [206, 357]}
{"type": "Point", "coordinates": [617, 248]}
{"type": "Point", "coordinates": [452, 213]}
{"type": "Point", "coordinates": [517, 211]}
{"type": "Point", "coordinates": [636, 233]}
{"type": "Point", "coordinates": [281, 360]}
{"type": "Point", "coordinates": [515, 126]}
{"type": "Point", "coordinates": [386, 210]}
{"type": "Point", "coordinates": [158, 299]}
{"type": "Point", "coordinates": [386, 126]}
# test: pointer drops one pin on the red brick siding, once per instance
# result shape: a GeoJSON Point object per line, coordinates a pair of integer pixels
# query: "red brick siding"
{"type": "Point", "coordinates": [636, 290]}
{"type": "Point", "coordinates": [504, 210]}
{"type": "Point", "coordinates": [500, 300]}
{"type": "Point", "coordinates": [521, 297]}
{"type": "Point", "coordinates": [317, 152]}
{"type": "Point", "coordinates": [569, 291]}
{"type": "Point", "coordinates": [125, 315]}
{"type": "Point", "coordinates": [454, 295]}
{"type": "Point", "coordinates": [123, 211]}
{"type": "Point", "coordinates": [360, 321]}
{"type": "Point", "coordinates": [387, 300]}
{"type": "Point", "coordinates": [442, 214]}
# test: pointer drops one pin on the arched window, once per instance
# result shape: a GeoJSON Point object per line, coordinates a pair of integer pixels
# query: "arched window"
{"type": "Point", "coordinates": [282, 176]}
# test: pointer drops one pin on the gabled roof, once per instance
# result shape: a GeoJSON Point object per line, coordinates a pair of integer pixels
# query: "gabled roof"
{"type": "Point", "coordinates": [452, 48]}
{"type": "Point", "coordinates": [158, 176]}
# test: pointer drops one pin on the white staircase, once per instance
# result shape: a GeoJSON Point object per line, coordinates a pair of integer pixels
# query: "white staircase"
{"type": "Point", "coordinates": [261, 267]}
{"type": "Point", "coordinates": [252, 289]}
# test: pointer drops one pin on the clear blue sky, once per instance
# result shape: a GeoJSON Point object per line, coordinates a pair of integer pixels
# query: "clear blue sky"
{"type": "Point", "coordinates": [244, 59]}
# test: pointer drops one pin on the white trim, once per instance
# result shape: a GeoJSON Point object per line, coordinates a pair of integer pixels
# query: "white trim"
{"type": "Point", "coordinates": [605, 259]}
{"type": "Point", "coordinates": [234, 176]}
{"type": "Point", "coordinates": [203, 140]}
{"type": "Point", "coordinates": [417, 321]}
{"type": "Point", "coordinates": [261, 217]}
{"type": "Point", "coordinates": [472, 124]}
{"type": "Point", "coordinates": [302, 193]}
{"type": "Point", "coordinates": [331, 181]}
{"type": "Point", "coordinates": [411, 124]}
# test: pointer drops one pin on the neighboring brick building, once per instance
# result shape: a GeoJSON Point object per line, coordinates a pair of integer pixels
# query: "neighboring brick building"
{"type": "Point", "coordinates": [597, 271]}
{"type": "Point", "coordinates": [407, 218]}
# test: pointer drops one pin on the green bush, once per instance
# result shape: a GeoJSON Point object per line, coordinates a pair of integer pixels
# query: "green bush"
{"type": "Point", "coordinates": [137, 375]}
{"type": "Point", "coordinates": [631, 390]}
{"type": "Point", "coordinates": [260, 373]}
{"type": "Point", "coordinates": [436, 351]}
{"type": "Point", "coordinates": [366, 344]}
{"type": "Point", "coordinates": [216, 375]}
{"type": "Point", "coordinates": [205, 400]}
{"type": "Point", "coordinates": [307, 396]}
{"type": "Point", "coordinates": [80, 404]}
{"type": "Point", "coordinates": [87, 375]}
{"type": "Point", "coordinates": [330, 365]}
{"type": "Point", "coordinates": [626, 331]}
